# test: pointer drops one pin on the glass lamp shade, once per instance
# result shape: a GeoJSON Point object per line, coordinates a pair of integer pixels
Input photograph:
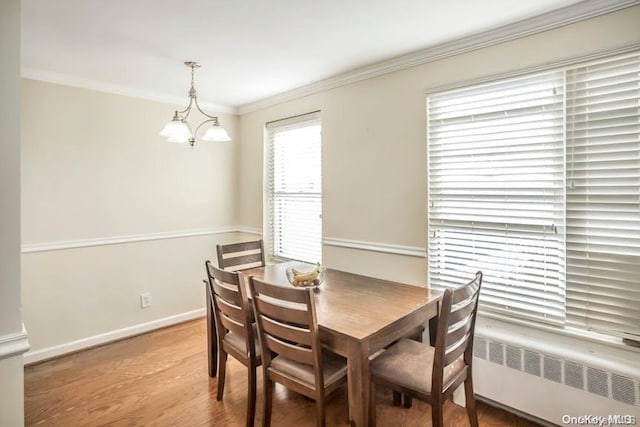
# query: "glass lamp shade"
{"type": "Point", "coordinates": [176, 131]}
{"type": "Point", "coordinates": [216, 133]}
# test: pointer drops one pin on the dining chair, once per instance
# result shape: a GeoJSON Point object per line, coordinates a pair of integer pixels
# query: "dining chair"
{"type": "Point", "coordinates": [240, 256]}
{"type": "Point", "coordinates": [287, 325]}
{"type": "Point", "coordinates": [236, 332]}
{"type": "Point", "coordinates": [429, 373]}
{"type": "Point", "coordinates": [415, 335]}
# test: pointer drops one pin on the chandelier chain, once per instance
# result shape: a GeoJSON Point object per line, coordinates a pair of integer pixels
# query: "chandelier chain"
{"type": "Point", "coordinates": [192, 90]}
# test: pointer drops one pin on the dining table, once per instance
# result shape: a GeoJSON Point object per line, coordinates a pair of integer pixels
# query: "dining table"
{"type": "Point", "coordinates": [357, 317]}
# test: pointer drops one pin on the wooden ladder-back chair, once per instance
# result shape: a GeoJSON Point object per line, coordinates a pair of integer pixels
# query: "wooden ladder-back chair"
{"type": "Point", "coordinates": [240, 256]}
{"type": "Point", "coordinates": [287, 325]}
{"type": "Point", "coordinates": [236, 330]}
{"type": "Point", "coordinates": [432, 374]}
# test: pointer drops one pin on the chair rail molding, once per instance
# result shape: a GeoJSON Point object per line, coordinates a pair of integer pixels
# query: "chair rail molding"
{"type": "Point", "coordinates": [249, 230]}
{"type": "Point", "coordinates": [131, 238]}
{"type": "Point", "coordinates": [547, 21]}
{"type": "Point", "coordinates": [387, 248]}
{"type": "Point", "coordinates": [14, 344]}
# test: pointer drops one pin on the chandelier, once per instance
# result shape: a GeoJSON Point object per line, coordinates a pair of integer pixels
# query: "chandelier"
{"type": "Point", "coordinates": [180, 131]}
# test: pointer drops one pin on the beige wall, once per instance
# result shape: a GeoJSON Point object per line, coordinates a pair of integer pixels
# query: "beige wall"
{"type": "Point", "coordinates": [94, 167]}
{"type": "Point", "coordinates": [11, 384]}
{"type": "Point", "coordinates": [374, 149]}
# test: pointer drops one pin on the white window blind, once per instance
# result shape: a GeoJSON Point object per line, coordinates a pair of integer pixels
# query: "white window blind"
{"type": "Point", "coordinates": [603, 196]}
{"type": "Point", "coordinates": [504, 156]}
{"type": "Point", "coordinates": [294, 188]}
{"type": "Point", "coordinates": [496, 193]}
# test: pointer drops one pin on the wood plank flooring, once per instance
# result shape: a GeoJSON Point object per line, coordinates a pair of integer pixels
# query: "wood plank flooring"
{"type": "Point", "coordinates": [160, 379]}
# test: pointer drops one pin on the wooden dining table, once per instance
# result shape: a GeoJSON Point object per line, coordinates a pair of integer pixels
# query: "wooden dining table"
{"type": "Point", "coordinates": [357, 316]}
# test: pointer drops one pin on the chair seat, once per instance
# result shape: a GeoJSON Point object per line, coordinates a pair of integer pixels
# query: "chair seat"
{"type": "Point", "coordinates": [409, 364]}
{"type": "Point", "coordinates": [238, 343]}
{"type": "Point", "coordinates": [334, 368]}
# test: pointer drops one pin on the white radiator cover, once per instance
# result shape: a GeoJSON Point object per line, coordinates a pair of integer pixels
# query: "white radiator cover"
{"type": "Point", "coordinates": [549, 376]}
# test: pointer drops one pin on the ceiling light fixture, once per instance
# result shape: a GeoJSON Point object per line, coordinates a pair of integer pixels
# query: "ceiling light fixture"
{"type": "Point", "coordinates": [180, 131]}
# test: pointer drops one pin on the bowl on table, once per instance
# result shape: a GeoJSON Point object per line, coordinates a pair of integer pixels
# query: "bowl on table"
{"type": "Point", "coordinates": [306, 275]}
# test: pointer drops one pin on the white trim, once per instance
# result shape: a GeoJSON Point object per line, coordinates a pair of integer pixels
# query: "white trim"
{"type": "Point", "coordinates": [107, 337]}
{"type": "Point", "coordinates": [83, 83]}
{"type": "Point", "coordinates": [376, 247]}
{"type": "Point", "coordinates": [506, 408]}
{"type": "Point", "coordinates": [547, 21]}
{"type": "Point", "coordinates": [13, 344]}
{"type": "Point", "coordinates": [562, 344]}
{"type": "Point", "coordinates": [249, 230]}
{"type": "Point", "coordinates": [115, 240]}
{"type": "Point", "coordinates": [567, 331]}
{"type": "Point", "coordinates": [556, 65]}
{"type": "Point", "coordinates": [509, 409]}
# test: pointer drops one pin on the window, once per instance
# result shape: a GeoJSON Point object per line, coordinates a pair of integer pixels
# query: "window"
{"type": "Point", "coordinates": [294, 188]}
{"type": "Point", "coordinates": [536, 181]}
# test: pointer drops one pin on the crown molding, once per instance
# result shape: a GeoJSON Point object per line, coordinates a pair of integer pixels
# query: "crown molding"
{"type": "Point", "coordinates": [83, 83]}
{"type": "Point", "coordinates": [547, 21]}
{"type": "Point", "coordinates": [386, 248]}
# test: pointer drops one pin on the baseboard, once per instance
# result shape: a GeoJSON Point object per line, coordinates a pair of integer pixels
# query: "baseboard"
{"type": "Point", "coordinates": [41, 355]}
{"type": "Point", "coordinates": [514, 411]}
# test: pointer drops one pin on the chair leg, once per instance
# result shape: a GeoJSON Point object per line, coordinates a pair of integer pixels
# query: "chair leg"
{"type": "Point", "coordinates": [397, 398]}
{"type": "Point", "coordinates": [320, 411]}
{"type": "Point", "coordinates": [222, 368]}
{"type": "Point", "coordinates": [436, 414]}
{"type": "Point", "coordinates": [267, 399]}
{"type": "Point", "coordinates": [251, 396]}
{"type": "Point", "coordinates": [408, 401]}
{"type": "Point", "coordinates": [470, 401]}
{"type": "Point", "coordinates": [372, 408]}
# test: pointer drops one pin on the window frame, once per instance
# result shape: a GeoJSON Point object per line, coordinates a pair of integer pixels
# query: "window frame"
{"type": "Point", "coordinates": [269, 195]}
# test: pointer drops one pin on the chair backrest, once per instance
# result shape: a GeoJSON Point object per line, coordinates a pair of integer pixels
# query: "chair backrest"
{"type": "Point", "coordinates": [287, 325]}
{"type": "Point", "coordinates": [232, 311]}
{"type": "Point", "coordinates": [456, 327]}
{"type": "Point", "coordinates": [240, 256]}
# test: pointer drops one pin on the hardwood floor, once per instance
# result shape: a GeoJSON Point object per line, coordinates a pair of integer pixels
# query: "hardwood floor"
{"type": "Point", "coordinates": [160, 379]}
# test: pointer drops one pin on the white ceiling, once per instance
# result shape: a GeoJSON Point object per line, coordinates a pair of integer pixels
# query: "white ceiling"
{"type": "Point", "coordinates": [249, 49]}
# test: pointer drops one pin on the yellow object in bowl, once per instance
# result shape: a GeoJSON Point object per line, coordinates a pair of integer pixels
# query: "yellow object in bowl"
{"type": "Point", "coordinates": [303, 277]}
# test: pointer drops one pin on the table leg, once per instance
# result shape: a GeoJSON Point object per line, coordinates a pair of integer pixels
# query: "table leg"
{"type": "Point", "coordinates": [359, 385]}
{"type": "Point", "coordinates": [433, 327]}
{"type": "Point", "coordinates": [212, 341]}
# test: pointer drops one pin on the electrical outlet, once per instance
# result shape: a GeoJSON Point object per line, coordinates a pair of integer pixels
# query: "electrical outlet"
{"type": "Point", "coordinates": [145, 300]}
